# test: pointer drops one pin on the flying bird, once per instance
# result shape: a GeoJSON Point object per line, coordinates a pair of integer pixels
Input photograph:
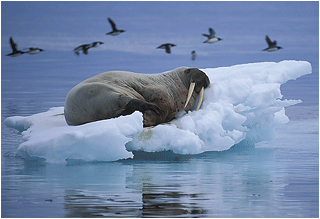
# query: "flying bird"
{"type": "Point", "coordinates": [84, 48]}
{"type": "Point", "coordinates": [33, 51]}
{"type": "Point", "coordinates": [167, 47]}
{"type": "Point", "coordinates": [211, 37]}
{"type": "Point", "coordinates": [114, 31]}
{"type": "Point", "coordinates": [193, 55]}
{"type": "Point", "coordinates": [15, 51]}
{"type": "Point", "coordinates": [272, 46]}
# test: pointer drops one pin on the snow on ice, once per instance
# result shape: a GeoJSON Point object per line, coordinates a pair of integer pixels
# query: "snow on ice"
{"type": "Point", "coordinates": [243, 102]}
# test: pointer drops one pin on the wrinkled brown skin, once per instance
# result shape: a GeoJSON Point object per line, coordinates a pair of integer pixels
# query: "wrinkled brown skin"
{"type": "Point", "coordinates": [112, 94]}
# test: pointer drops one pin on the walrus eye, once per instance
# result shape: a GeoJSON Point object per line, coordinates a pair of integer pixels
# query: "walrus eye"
{"type": "Point", "coordinates": [191, 88]}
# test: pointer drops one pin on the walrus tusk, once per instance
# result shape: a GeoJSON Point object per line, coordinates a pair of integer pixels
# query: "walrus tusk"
{"type": "Point", "coordinates": [200, 98]}
{"type": "Point", "coordinates": [191, 88]}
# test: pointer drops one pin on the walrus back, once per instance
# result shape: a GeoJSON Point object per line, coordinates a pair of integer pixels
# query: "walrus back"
{"type": "Point", "coordinates": [88, 102]}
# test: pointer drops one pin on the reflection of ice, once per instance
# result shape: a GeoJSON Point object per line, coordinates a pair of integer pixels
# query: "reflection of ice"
{"type": "Point", "coordinates": [157, 201]}
{"type": "Point", "coordinates": [214, 183]}
{"type": "Point", "coordinates": [242, 103]}
{"type": "Point", "coordinates": [79, 203]}
{"type": "Point", "coordinates": [169, 201]}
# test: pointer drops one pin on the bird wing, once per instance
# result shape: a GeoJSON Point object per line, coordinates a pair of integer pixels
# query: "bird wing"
{"type": "Point", "coordinates": [274, 43]}
{"type": "Point", "coordinates": [168, 50]}
{"type": "Point", "coordinates": [14, 46]}
{"type": "Point", "coordinates": [85, 48]}
{"type": "Point", "coordinates": [160, 47]}
{"type": "Point", "coordinates": [206, 35]}
{"type": "Point", "coordinates": [270, 43]}
{"type": "Point", "coordinates": [77, 48]}
{"type": "Point", "coordinates": [211, 31]}
{"type": "Point", "coordinates": [113, 25]}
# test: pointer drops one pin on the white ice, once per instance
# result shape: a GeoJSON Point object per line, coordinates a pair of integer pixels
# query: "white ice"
{"type": "Point", "coordinates": [243, 102]}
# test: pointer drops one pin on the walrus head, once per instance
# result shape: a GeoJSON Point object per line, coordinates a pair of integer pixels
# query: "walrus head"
{"type": "Point", "coordinates": [198, 81]}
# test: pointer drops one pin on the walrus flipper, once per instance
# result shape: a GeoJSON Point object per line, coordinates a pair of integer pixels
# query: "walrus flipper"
{"type": "Point", "coordinates": [141, 106]}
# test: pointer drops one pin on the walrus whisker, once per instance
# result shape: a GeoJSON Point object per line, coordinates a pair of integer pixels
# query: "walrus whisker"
{"type": "Point", "coordinates": [191, 88]}
{"type": "Point", "coordinates": [200, 98]}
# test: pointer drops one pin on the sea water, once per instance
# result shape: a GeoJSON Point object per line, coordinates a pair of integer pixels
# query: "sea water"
{"type": "Point", "coordinates": [274, 178]}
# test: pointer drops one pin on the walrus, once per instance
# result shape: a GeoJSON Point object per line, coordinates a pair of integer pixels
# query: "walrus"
{"type": "Point", "coordinates": [117, 93]}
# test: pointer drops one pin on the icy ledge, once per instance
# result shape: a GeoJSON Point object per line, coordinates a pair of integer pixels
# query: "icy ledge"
{"type": "Point", "coordinates": [243, 102]}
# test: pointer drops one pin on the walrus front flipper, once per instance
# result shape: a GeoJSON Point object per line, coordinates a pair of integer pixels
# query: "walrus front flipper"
{"type": "Point", "coordinates": [140, 105]}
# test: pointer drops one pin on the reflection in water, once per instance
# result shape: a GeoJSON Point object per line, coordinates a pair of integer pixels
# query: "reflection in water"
{"type": "Point", "coordinates": [80, 203]}
{"type": "Point", "coordinates": [164, 201]}
{"type": "Point", "coordinates": [156, 201]}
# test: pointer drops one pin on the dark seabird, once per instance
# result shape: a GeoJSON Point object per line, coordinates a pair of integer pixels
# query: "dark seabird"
{"type": "Point", "coordinates": [15, 51]}
{"type": "Point", "coordinates": [211, 37]}
{"type": "Point", "coordinates": [86, 47]}
{"type": "Point", "coordinates": [114, 31]}
{"type": "Point", "coordinates": [193, 55]}
{"type": "Point", "coordinates": [33, 51]}
{"type": "Point", "coordinates": [167, 47]}
{"type": "Point", "coordinates": [272, 46]}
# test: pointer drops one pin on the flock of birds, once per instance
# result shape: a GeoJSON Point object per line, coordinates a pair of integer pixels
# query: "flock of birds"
{"type": "Point", "coordinates": [272, 45]}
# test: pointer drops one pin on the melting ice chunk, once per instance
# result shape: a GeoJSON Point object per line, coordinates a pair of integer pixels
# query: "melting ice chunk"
{"type": "Point", "coordinates": [243, 102]}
